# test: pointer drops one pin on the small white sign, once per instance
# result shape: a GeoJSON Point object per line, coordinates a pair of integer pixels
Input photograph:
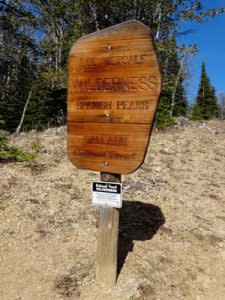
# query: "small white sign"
{"type": "Point", "coordinates": [107, 194]}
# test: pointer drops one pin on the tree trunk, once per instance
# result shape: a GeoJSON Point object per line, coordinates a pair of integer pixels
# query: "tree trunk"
{"type": "Point", "coordinates": [95, 16]}
{"type": "Point", "coordinates": [176, 84]}
{"type": "Point", "coordinates": [159, 23]}
{"type": "Point", "coordinates": [23, 114]}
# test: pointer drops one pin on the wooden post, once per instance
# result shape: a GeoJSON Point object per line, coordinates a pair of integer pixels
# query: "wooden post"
{"type": "Point", "coordinates": [107, 244]}
{"type": "Point", "coordinates": [119, 145]}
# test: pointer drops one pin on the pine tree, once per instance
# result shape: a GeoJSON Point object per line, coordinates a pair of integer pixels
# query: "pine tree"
{"type": "Point", "coordinates": [206, 106]}
{"type": "Point", "coordinates": [17, 60]}
{"type": "Point", "coordinates": [36, 35]}
{"type": "Point", "coordinates": [179, 103]}
{"type": "Point", "coordinates": [222, 106]}
{"type": "Point", "coordinates": [173, 101]}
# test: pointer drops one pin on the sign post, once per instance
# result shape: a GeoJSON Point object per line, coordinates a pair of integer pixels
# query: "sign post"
{"type": "Point", "coordinates": [114, 85]}
{"type": "Point", "coordinates": [107, 243]}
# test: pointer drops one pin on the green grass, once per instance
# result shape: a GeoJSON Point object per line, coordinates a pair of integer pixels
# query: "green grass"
{"type": "Point", "coordinates": [12, 153]}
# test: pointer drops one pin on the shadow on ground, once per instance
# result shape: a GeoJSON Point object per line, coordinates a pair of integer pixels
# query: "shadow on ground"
{"type": "Point", "coordinates": [138, 222]}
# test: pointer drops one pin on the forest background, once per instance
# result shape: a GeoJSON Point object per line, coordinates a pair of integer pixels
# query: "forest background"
{"type": "Point", "coordinates": [35, 38]}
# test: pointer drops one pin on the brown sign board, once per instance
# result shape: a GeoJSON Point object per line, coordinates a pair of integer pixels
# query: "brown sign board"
{"type": "Point", "coordinates": [114, 85]}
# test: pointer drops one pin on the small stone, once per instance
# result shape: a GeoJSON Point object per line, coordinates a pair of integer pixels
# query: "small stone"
{"type": "Point", "coordinates": [158, 169]}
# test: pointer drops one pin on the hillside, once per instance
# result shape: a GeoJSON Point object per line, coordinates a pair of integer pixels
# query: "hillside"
{"type": "Point", "coordinates": [172, 228]}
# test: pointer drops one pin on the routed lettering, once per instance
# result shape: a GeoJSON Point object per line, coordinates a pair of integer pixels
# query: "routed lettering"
{"type": "Point", "coordinates": [93, 104]}
{"type": "Point", "coordinates": [133, 105]}
{"type": "Point", "coordinates": [108, 105]}
{"type": "Point", "coordinates": [104, 155]}
{"type": "Point", "coordinates": [113, 140]}
{"type": "Point", "coordinates": [125, 59]}
{"type": "Point", "coordinates": [114, 84]}
{"type": "Point", "coordinates": [135, 59]}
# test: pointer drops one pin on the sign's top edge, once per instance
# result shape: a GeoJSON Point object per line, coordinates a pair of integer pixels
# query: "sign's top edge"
{"type": "Point", "coordinates": [116, 29]}
{"type": "Point", "coordinates": [124, 25]}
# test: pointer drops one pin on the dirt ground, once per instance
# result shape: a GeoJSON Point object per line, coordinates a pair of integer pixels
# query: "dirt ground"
{"type": "Point", "coordinates": [172, 225]}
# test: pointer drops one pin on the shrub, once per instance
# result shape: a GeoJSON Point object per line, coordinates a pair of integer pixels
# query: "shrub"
{"type": "Point", "coordinates": [12, 153]}
{"type": "Point", "coordinates": [163, 117]}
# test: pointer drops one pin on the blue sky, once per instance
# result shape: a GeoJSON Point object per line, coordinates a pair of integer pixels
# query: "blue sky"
{"type": "Point", "coordinates": [210, 40]}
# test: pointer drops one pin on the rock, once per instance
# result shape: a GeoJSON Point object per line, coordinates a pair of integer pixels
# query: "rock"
{"type": "Point", "coordinates": [182, 121]}
{"type": "Point", "coordinates": [158, 169]}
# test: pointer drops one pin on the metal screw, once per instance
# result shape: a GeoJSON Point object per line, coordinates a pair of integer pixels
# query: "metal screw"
{"type": "Point", "coordinates": [109, 47]}
{"type": "Point", "coordinates": [107, 115]}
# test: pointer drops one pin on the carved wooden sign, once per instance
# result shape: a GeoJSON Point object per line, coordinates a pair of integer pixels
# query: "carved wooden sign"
{"type": "Point", "coordinates": [113, 89]}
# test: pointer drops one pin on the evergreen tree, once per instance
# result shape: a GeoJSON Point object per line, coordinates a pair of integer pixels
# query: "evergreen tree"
{"type": "Point", "coordinates": [173, 101]}
{"type": "Point", "coordinates": [206, 106]}
{"type": "Point", "coordinates": [179, 104]}
{"type": "Point", "coordinates": [222, 106]}
{"type": "Point", "coordinates": [18, 53]}
{"type": "Point", "coordinates": [36, 35]}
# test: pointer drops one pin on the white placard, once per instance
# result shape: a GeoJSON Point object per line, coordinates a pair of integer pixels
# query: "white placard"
{"type": "Point", "coordinates": [107, 194]}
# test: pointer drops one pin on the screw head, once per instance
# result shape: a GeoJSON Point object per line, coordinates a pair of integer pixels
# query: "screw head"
{"type": "Point", "coordinates": [104, 163]}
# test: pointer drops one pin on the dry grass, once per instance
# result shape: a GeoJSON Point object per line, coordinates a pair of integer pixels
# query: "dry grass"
{"type": "Point", "coordinates": [172, 224]}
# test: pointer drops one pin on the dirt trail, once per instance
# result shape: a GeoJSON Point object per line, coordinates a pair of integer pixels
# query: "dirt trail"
{"type": "Point", "coordinates": [172, 227]}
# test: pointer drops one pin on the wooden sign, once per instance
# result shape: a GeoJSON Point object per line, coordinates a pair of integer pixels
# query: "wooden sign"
{"type": "Point", "coordinates": [113, 89]}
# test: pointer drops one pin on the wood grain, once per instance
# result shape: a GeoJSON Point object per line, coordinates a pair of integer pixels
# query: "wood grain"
{"type": "Point", "coordinates": [107, 147]}
{"type": "Point", "coordinates": [113, 89]}
{"type": "Point", "coordinates": [107, 245]}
